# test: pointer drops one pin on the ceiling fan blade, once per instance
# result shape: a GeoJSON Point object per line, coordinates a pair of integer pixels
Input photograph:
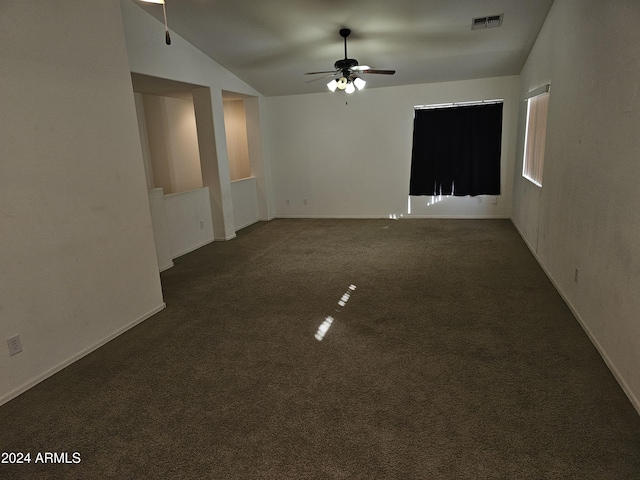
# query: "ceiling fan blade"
{"type": "Point", "coordinates": [320, 78]}
{"type": "Point", "coordinates": [360, 68]}
{"type": "Point", "coordinates": [380, 72]}
{"type": "Point", "coordinates": [320, 73]}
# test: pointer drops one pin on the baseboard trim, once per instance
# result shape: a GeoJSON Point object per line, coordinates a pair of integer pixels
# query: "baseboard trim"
{"type": "Point", "coordinates": [224, 239]}
{"type": "Point", "coordinates": [191, 249]}
{"type": "Point", "coordinates": [603, 353]}
{"type": "Point", "coordinates": [253, 222]}
{"type": "Point", "coordinates": [52, 371]}
{"type": "Point", "coordinates": [166, 267]}
{"type": "Point", "coordinates": [403, 217]}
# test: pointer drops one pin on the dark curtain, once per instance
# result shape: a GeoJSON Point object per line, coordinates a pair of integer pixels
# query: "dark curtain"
{"type": "Point", "coordinates": [456, 151]}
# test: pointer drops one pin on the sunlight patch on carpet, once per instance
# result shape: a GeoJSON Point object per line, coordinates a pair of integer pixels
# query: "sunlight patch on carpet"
{"type": "Point", "coordinates": [324, 326]}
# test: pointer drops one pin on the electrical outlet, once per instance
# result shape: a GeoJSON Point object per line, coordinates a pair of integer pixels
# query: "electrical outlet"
{"type": "Point", "coordinates": [494, 201]}
{"type": "Point", "coordinates": [479, 199]}
{"type": "Point", "coordinates": [14, 344]}
{"type": "Point", "coordinates": [305, 201]}
{"type": "Point", "coordinates": [575, 276]}
{"type": "Point", "coordinates": [201, 225]}
{"type": "Point", "coordinates": [286, 202]}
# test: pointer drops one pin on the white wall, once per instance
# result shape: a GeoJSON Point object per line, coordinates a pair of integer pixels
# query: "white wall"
{"type": "Point", "coordinates": [160, 229]}
{"type": "Point", "coordinates": [181, 223]}
{"type": "Point", "coordinates": [77, 251]}
{"type": "Point", "coordinates": [585, 216]}
{"type": "Point", "coordinates": [188, 220]}
{"type": "Point", "coordinates": [354, 160]}
{"type": "Point", "coordinates": [245, 202]}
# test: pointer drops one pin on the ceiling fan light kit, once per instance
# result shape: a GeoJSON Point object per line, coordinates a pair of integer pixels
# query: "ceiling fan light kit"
{"type": "Point", "coordinates": [349, 85]}
{"type": "Point", "coordinates": [347, 70]}
{"type": "Point", "coordinates": [359, 83]}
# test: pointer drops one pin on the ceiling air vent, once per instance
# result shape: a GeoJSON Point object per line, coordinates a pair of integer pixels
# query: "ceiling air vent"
{"type": "Point", "coordinates": [486, 22]}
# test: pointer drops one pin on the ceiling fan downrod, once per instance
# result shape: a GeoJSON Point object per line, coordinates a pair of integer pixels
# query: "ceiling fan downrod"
{"type": "Point", "coordinates": [344, 33]}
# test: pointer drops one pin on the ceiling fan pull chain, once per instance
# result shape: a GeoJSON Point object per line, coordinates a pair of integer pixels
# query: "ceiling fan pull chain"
{"type": "Point", "coordinates": [167, 37]}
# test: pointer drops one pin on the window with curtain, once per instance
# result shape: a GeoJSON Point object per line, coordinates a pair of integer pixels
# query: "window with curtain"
{"type": "Point", "coordinates": [457, 149]}
{"type": "Point", "coordinates": [535, 135]}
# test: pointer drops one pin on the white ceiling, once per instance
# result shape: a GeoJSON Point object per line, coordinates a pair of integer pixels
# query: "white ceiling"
{"type": "Point", "coordinates": [270, 43]}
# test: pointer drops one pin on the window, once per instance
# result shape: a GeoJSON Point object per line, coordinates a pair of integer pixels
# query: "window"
{"type": "Point", "coordinates": [457, 149]}
{"type": "Point", "coordinates": [535, 134]}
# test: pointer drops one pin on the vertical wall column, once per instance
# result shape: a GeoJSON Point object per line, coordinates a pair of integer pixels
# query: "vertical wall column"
{"type": "Point", "coordinates": [214, 160]}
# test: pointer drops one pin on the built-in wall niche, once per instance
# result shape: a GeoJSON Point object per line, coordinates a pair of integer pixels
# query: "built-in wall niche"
{"type": "Point", "coordinates": [235, 125]}
{"type": "Point", "coordinates": [173, 143]}
{"type": "Point", "coordinates": [180, 194]}
{"type": "Point", "coordinates": [168, 133]}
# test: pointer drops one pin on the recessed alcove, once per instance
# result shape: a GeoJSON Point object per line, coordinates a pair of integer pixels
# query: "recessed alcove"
{"type": "Point", "coordinates": [235, 126]}
{"type": "Point", "coordinates": [240, 113]}
{"type": "Point", "coordinates": [169, 138]}
{"type": "Point", "coordinates": [179, 200]}
{"type": "Point", "coordinates": [199, 198]}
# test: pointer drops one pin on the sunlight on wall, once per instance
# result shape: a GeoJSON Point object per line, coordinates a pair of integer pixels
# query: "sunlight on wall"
{"type": "Point", "coordinates": [436, 199]}
{"type": "Point", "coordinates": [324, 326]}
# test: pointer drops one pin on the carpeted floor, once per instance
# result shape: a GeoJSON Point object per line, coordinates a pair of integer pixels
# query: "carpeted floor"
{"type": "Point", "coordinates": [451, 356]}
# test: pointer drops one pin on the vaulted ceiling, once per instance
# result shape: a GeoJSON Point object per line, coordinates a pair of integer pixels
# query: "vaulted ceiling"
{"type": "Point", "coordinates": [270, 44]}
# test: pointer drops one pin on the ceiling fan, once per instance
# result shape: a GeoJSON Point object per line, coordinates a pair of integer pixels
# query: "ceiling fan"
{"type": "Point", "coordinates": [347, 71]}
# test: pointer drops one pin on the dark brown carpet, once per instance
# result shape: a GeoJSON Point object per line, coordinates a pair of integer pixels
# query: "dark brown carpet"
{"type": "Point", "coordinates": [453, 358]}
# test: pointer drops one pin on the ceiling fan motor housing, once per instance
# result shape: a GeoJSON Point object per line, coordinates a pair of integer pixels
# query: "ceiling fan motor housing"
{"type": "Point", "coordinates": [345, 63]}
